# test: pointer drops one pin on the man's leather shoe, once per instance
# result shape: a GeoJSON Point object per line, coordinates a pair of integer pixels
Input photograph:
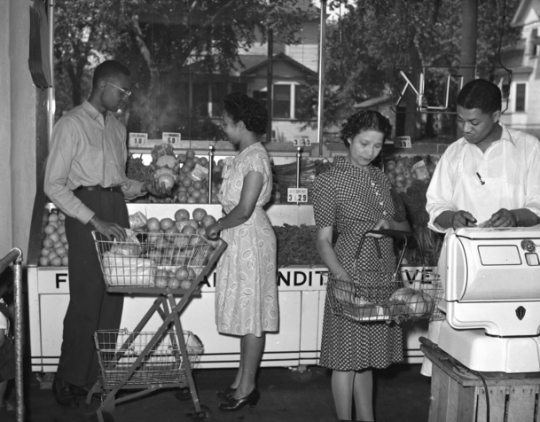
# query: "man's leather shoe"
{"type": "Point", "coordinates": [63, 392]}
{"type": "Point", "coordinates": [79, 391]}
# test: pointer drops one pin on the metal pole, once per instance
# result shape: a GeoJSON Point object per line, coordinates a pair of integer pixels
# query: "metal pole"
{"type": "Point", "coordinates": [210, 169]}
{"type": "Point", "coordinates": [298, 152]}
{"type": "Point", "coordinates": [19, 333]}
{"type": "Point", "coordinates": [269, 78]}
{"type": "Point", "coordinates": [320, 102]}
{"type": "Point", "coordinates": [469, 35]}
{"type": "Point", "coordinates": [50, 91]}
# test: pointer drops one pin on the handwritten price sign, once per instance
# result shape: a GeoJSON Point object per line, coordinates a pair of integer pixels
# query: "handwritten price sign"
{"type": "Point", "coordinates": [138, 140]}
{"type": "Point", "coordinates": [302, 141]}
{"type": "Point", "coordinates": [297, 195]}
{"type": "Point", "coordinates": [172, 138]}
{"type": "Point", "coordinates": [402, 142]}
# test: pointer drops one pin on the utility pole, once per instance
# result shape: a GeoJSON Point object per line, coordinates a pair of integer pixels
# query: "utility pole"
{"type": "Point", "coordinates": [320, 102]}
{"type": "Point", "coordinates": [269, 78]}
{"type": "Point", "coordinates": [469, 35]}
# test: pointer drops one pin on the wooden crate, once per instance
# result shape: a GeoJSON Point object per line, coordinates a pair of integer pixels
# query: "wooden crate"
{"type": "Point", "coordinates": [459, 396]}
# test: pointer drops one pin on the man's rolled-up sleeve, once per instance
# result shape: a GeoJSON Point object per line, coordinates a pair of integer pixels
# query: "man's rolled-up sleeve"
{"type": "Point", "coordinates": [439, 194]}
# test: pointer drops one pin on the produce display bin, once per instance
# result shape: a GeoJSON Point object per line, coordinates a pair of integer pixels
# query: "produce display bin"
{"type": "Point", "coordinates": [302, 289]}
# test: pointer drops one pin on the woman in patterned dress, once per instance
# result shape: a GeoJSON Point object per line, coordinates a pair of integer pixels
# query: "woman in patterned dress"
{"type": "Point", "coordinates": [355, 196]}
{"type": "Point", "coordinates": [246, 291]}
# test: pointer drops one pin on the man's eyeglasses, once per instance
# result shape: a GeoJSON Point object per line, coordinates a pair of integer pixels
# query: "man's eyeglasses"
{"type": "Point", "coordinates": [125, 92]}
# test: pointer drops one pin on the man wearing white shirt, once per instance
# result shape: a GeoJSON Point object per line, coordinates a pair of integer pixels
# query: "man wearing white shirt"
{"type": "Point", "coordinates": [489, 177]}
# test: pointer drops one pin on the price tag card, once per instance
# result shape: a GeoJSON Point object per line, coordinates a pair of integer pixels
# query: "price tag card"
{"type": "Point", "coordinates": [172, 138]}
{"type": "Point", "coordinates": [297, 195]}
{"type": "Point", "coordinates": [402, 142]}
{"type": "Point", "coordinates": [302, 141]}
{"type": "Point", "coordinates": [137, 140]}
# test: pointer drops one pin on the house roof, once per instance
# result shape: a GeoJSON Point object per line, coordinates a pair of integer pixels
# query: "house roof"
{"type": "Point", "coordinates": [248, 64]}
{"type": "Point", "coordinates": [279, 56]}
{"type": "Point", "coordinates": [521, 17]}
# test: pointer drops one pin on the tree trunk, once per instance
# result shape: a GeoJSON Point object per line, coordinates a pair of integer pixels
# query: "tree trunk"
{"type": "Point", "coordinates": [413, 119]}
{"type": "Point", "coordinates": [75, 79]}
{"type": "Point", "coordinates": [149, 120]}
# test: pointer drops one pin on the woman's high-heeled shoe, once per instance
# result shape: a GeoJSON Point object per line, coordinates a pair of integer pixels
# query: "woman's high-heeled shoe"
{"type": "Point", "coordinates": [225, 394]}
{"type": "Point", "coordinates": [236, 404]}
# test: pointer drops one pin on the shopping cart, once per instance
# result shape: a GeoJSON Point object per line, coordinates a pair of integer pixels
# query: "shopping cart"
{"type": "Point", "coordinates": [165, 265]}
{"type": "Point", "coordinates": [381, 295]}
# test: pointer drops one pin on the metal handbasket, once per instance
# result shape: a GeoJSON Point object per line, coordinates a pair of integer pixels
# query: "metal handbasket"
{"type": "Point", "coordinates": [375, 296]}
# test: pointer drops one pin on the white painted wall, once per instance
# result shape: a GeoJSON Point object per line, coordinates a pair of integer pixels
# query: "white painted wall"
{"type": "Point", "coordinates": [17, 127]}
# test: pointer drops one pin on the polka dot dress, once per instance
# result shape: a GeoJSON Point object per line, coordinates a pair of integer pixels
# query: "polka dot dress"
{"type": "Point", "coordinates": [246, 290]}
{"type": "Point", "coordinates": [353, 200]}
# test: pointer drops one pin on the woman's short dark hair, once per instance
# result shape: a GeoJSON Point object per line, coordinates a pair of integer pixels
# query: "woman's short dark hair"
{"type": "Point", "coordinates": [362, 121]}
{"type": "Point", "coordinates": [480, 94]}
{"type": "Point", "coordinates": [240, 107]}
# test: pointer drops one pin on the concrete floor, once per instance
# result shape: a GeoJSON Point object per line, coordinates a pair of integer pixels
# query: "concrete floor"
{"type": "Point", "coordinates": [401, 394]}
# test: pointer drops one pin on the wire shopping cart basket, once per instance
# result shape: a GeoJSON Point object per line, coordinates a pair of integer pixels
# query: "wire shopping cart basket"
{"type": "Point", "coordinates": [382, 295]}
{"type": "Point", "coordinates": [167, 265]}
{"type": "Point", "coordinates": [119, 351]}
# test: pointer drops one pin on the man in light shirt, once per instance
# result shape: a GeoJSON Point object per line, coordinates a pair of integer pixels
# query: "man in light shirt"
{"type": "Point", "coordinates": [489, 178]}
{"type": "Point", "coordinates": [85, 178]}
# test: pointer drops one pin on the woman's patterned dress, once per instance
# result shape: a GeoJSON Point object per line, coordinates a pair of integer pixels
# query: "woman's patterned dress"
{"type": "Point", "coordinates": [353, 200]}
{"type": "Point", "coordinates": [246, 291]}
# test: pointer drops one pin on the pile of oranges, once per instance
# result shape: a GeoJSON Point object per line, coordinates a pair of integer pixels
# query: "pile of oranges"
{"type": "Point", "coordinates": [54, 251]}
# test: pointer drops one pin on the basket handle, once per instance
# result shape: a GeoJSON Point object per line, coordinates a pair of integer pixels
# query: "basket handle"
{"type": "Point", "coordinates": [399, 234]}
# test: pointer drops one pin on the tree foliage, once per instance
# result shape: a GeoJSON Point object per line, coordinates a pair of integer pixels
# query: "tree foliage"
{"type": "Point", "coordinates": [374, 39]}
{"type": "Point", "coordinates": [157, 37]}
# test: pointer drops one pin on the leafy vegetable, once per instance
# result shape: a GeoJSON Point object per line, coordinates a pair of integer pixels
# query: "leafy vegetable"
{"type": "Point", "coordinates": [136, 170]}
{"type": "Point", "coordinates": [296, 245]}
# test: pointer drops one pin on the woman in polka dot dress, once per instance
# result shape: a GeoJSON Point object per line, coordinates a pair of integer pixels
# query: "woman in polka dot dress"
{"type": "Point", "coordinates": [355, 196]}
{"type": "Point", "coordinates": [246, 291]}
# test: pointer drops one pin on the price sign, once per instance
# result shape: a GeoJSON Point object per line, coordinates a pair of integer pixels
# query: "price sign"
{"type": "Point", "coordinates": [172, 138]}
{"type": "Point", "coordinates": [402, 142]}
{"type": "Point", "coordinates": [137, 140]}
{"type": "Point", "coordinates": [302, 141]}
{"type": "Point", "coordinates": [297, 195]}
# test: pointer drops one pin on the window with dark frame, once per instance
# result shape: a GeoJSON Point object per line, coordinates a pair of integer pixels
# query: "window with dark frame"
{"type": "Point", "coordinates": [520, 97]}
{"type": "Point", "coordinates": [282, 101]}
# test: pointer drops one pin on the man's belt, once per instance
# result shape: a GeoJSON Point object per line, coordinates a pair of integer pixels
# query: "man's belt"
{"type": "Point", "coordinates": [99, 188]}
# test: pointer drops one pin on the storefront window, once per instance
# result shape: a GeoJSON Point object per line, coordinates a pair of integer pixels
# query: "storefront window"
{"type": "Point", "coordinates": [186, 56]}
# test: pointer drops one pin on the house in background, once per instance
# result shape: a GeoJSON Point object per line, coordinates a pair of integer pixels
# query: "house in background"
{"type": "Point", "coordinates": [294, 67]}
{"type": "Point", "coordinates": [521, 92]}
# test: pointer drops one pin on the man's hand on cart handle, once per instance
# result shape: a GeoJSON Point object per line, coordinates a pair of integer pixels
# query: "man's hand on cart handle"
{"type": "Point", "coordinates": [109, 230]}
